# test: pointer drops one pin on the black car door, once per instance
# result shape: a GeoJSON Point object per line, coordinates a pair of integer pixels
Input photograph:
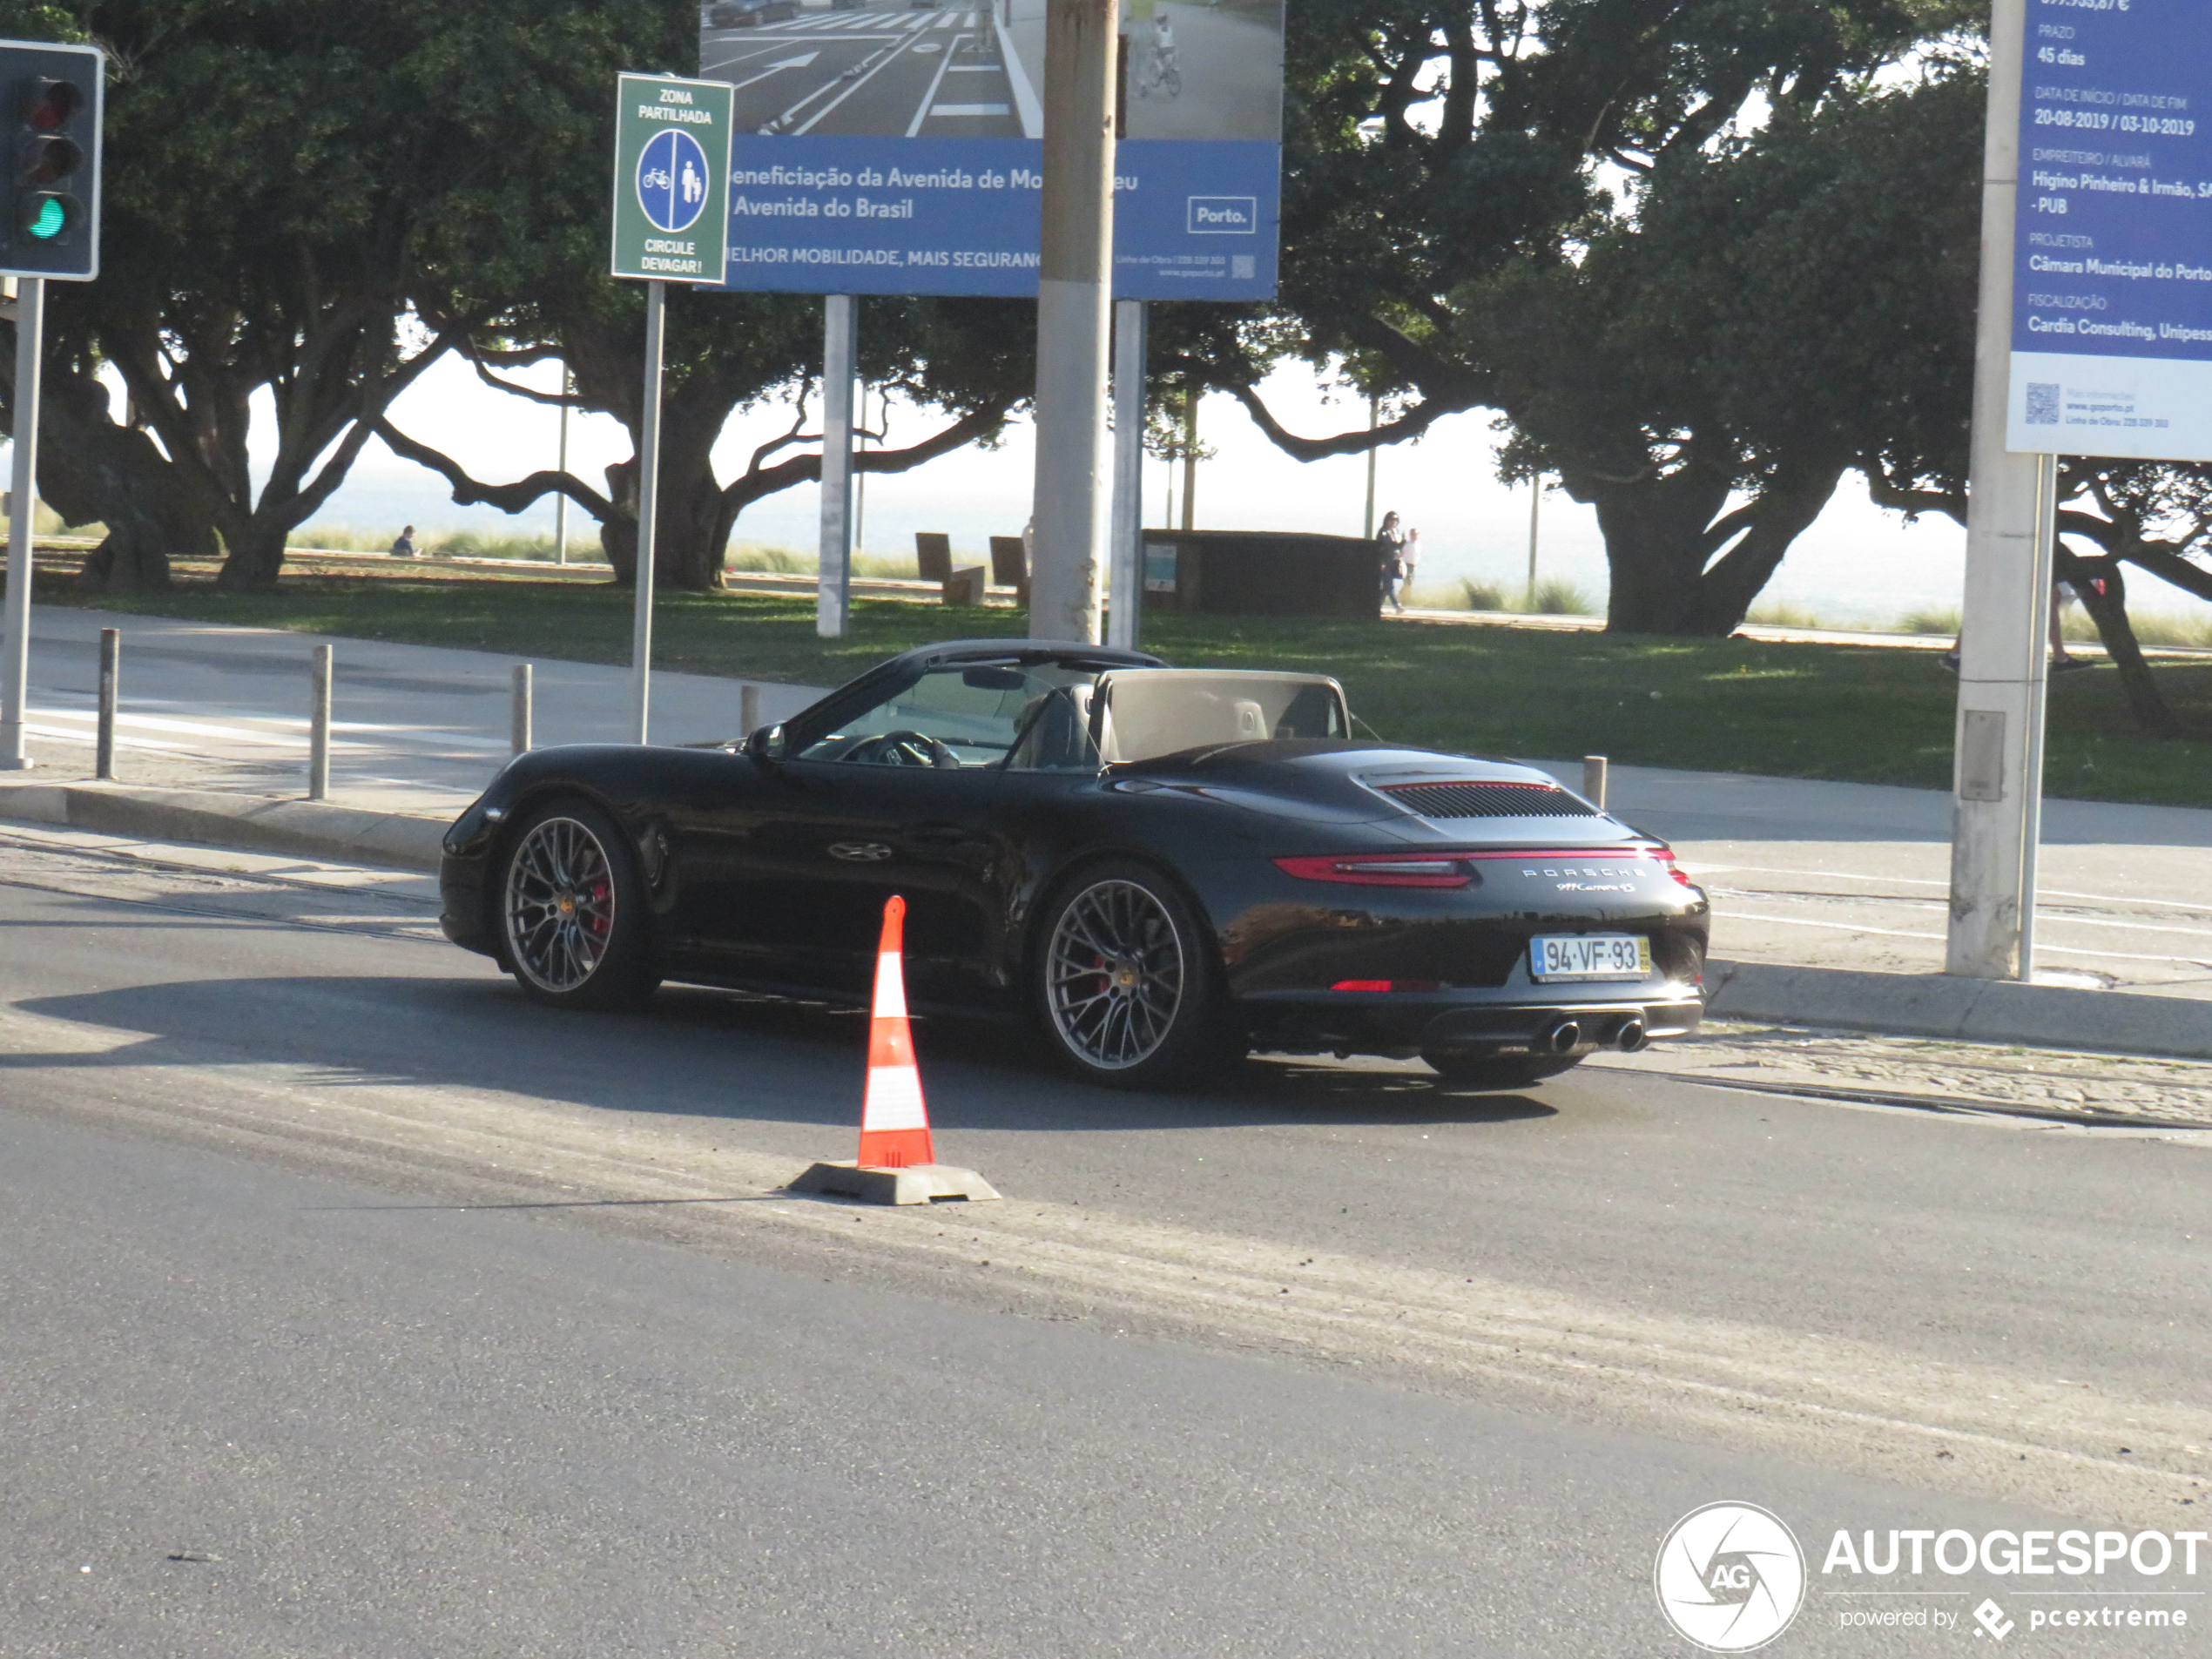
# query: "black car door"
{"type": "Point", "coordinates": [836, 841]}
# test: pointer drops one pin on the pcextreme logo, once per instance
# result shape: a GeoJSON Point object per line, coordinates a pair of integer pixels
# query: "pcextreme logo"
{"type": "Point", "coordinates": [1729, 1577]}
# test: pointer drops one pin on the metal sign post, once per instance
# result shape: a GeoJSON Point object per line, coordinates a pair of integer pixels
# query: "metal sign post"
{"type": "Point", "coordinates": [15, 663]}
{"type": "Point", "coordinates": [1125, 557]}
{"type": "Point", "coordinates": [834, 583]}
{"type": "Point", "coordinates": [672, 222]}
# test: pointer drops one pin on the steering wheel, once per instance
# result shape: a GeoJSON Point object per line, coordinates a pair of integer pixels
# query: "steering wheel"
{"type": "Point", "coordinates": [902, 749]}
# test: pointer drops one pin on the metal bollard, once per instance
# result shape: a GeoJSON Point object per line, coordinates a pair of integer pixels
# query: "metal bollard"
{"type": "Point", "coordinates": [1593, 780]}
{"type": "Point", "coordinates": [520, 725]}
{"type": "Point", "coordinates": [110, 668]}
{"type": "Point", "coordinates": [318, 728]}
{"type": "Point", "coordinates": [748, 710]}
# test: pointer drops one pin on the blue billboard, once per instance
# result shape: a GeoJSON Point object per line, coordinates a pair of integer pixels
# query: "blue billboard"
{"type": "Point", "coordinates": [2112, 280]}
{"type": "Point", "coordinates": [898, 149]}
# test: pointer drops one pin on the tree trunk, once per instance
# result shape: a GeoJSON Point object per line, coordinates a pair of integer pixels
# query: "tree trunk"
{"type": "Point", "coordinates": [92, 470]}
{"type": "Point", "coordinates": [255, 558]}
{"type": "Point", "coordinates": [1661, 534]}
{"type": "Point", "coordinates": [2103, 591]}
{"type": "Point", "coordinates": [691, 534]}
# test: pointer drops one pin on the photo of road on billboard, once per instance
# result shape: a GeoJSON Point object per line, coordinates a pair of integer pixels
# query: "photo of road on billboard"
{"type": "Point", "coordinates": [1198, 69]}
{"type": "Point", "coordinates": [925, 69]}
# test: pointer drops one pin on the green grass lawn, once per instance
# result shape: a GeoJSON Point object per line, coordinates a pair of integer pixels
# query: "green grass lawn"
{"type": "Point", "coordinates": [1861, 713]}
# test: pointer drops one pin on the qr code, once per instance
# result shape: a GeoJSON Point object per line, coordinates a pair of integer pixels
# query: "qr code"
{"type": "Point", "coordinates": [2042, 403]}
{"type": "Point", "coordinates": [1243, 267]}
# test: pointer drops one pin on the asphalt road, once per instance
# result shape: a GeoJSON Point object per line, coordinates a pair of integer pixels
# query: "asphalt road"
{"type": "Point", "coordinates": [447, 1325]}
{"type": "Point", "coordinates": [883, 73]}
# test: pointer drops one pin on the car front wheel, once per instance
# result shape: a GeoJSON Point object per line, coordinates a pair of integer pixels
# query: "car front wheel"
{"type": "Point", "coordinates": [573, 910]}
{"type": "Point", "coordinates": [1125, 990]}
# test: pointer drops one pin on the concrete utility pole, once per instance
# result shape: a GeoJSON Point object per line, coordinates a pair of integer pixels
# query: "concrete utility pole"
{"type": "Point", "coordinates": [1125, 587]}
{"type": "Point", "coordinates": [1190, 459]}
{"type": "Point", "coordinates": [561, 499]}
{"type": "Point", "coordinates": [1996, 795]}
{"type": "Point", "coordinates": [1074, 306]}
{"type": "Point", "coordinates": [1535, 514]}
{"type": "Point", "coordinates": [834, 585]}
{"type": "Point", "coordinates": [1374, 419]}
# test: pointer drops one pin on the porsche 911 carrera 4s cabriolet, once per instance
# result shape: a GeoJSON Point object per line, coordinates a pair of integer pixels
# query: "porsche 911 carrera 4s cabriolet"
{"type": "Point", "coordinates": [1156, 868]}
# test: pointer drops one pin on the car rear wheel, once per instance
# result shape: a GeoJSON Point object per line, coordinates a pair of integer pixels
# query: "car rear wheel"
{"type": "Point", "coordinates": [572, 911]}
{"type": "Point", "coordinates": [1496, 1071]}
{"type": "Point", "coordinates": [1126, 991]}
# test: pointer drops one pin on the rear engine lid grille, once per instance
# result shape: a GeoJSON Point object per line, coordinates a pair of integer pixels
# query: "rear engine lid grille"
{"type": "Point", "coordinates": [1488, 800]}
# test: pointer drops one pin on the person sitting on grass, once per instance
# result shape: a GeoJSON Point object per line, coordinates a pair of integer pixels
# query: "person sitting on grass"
{"type": "Point", "coordinates": [403, 543]}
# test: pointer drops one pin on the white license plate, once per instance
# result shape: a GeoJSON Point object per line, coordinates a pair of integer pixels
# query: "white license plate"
{"type": "Point", "coordinates": [1562, 956]}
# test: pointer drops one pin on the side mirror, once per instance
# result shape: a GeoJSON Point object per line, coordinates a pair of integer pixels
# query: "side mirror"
{"type": "Point", "coordinates": [768, 743]}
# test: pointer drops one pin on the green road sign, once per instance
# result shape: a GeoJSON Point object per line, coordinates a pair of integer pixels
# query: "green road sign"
{"type": "Point", "coordinates": [671, 179]}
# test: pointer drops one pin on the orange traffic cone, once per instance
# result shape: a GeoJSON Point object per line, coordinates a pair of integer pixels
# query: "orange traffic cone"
{"type": "Point", "coordinates": [896, 1165]}
{"type": "Point", "coordinates": [894, 1122]}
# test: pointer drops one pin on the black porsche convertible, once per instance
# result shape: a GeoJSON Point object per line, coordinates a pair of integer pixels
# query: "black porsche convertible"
{"type": "Point", "coordinates": [1157, 868]}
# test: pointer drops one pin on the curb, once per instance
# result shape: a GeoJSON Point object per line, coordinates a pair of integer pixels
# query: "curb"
{"type": "Point", "coordinates": [1974, 1010]}
{"type": "Point", "coordinates": [249, 823]}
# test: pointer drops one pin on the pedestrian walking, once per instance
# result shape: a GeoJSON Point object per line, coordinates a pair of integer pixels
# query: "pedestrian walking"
{"type": "Point", "coordinates": [1409, 565]}
{"type": "Point", "coordinates": [1390, 548]}
{"type": "Point", "coordinates": [2062, 660]}
{"type": "Point", "coordinates": [403, 543]}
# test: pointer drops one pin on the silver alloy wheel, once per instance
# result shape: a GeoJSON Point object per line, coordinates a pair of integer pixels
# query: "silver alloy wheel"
{"type": "Point", "coordinates": [559, 904]}
{"type": "Point", "coordinates": [1116, 969]}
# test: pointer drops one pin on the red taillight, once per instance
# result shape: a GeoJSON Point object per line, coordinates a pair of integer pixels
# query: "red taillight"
{"type": "Point", "coordinates": [1387, 985]}
{"type": "Point", "coordinates": [1380, 869]}
{"type": "Point", "coordinates": [1666, 856]}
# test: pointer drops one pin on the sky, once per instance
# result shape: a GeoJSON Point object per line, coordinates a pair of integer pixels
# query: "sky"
{"type": "Point", "coordinates": [1858, 564]}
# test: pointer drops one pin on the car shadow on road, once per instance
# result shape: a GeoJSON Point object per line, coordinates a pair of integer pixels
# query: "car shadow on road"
{"type": "Point", "coordinates": [699, 1052]}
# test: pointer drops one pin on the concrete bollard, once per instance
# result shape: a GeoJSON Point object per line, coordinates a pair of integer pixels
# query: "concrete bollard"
{"type": "Point", "coordinates": [319, 727]}
{"type": "Point", "coordinates": [748, 711]}
{"type": "Point", "coordinates": [110, 668]}
{"type": "Point", "coordinates": [1593, 780]}
{"type": "Point", "coordinates": [520, 722]}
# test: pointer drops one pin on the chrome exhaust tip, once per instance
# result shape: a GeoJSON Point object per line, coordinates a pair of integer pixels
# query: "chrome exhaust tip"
{"type": "Point", "coordinates": [1632, 1036]}
{"type": "Point", "coordinates": [1564, 1038]}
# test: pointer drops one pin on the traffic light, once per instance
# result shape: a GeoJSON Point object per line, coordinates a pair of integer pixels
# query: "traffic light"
{"type": "Point", "coordinates": [49, 98]}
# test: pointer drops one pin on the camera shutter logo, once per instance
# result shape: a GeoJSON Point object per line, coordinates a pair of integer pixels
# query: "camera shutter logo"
{"type": "Point", "coordinates": [1730, 1577]}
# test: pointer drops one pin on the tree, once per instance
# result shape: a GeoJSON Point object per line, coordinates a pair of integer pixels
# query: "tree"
{"type": "Point", "coordinates": [972, 359]}
{"type": "Point", "coordinates": [1448, 237]}
{"type": "Point", "coordinates": [1778, 309]}
{"type": "Point", "coordinates": [280, 175]}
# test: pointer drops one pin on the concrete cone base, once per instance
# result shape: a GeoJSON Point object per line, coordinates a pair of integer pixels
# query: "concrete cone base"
{"type": "Point", "coordinates": [916, 1184]}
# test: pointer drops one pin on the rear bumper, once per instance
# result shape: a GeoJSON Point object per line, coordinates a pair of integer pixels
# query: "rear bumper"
{"type": "Point", "coordinates": [1510, 1021]}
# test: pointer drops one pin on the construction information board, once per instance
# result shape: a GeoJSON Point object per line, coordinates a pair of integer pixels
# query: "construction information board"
{"type": "Point", "coordinates": [671, 179]}
{"type": "Point", "coordinates": [2112, 282]}
{"type": "Point", "coordinates": [896, 147]}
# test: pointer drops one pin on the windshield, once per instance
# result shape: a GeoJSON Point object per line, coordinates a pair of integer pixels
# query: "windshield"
{"type": "Point", "coordinates": [960, 715]}
{"type": "Point", "coordinates": [1139, 714]}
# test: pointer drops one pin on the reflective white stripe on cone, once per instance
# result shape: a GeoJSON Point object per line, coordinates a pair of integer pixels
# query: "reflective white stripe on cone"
{"type": "Point", "coordinates": [894, 1122]}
